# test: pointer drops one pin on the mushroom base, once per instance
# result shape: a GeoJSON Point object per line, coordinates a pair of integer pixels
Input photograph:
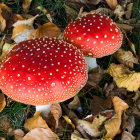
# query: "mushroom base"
{"type": "Point", "coordinates": [45, 109]}
{"type": "Point", "coordinates": [91, 63]}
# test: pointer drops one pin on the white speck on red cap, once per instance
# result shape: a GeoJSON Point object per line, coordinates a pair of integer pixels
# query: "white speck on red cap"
{"type": "Point", "coordinates": [44, 77]}
{"type": "Point", "coordinates": [99, 36]}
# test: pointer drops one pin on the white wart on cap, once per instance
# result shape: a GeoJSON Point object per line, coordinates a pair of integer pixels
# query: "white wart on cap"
{"type": "Point", "coordinates": [42, 71]}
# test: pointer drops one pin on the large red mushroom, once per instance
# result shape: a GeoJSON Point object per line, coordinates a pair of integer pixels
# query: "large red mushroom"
{"type": "Point", "coordinates": [43, 71]}
{"type": "Point", "coordinates": [96, 35]}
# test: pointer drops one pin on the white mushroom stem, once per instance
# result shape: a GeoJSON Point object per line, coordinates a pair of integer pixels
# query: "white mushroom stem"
{"type": "Point", "coordinates": [91, 63]}
{"type": "Point", "coordinates": [45, 109]}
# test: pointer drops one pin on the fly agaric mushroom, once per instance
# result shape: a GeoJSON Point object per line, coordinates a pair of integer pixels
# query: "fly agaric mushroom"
{"type": "Point", "coordinates": [96, 35]}
{"type": "Point", "coordinates": [43, 71]}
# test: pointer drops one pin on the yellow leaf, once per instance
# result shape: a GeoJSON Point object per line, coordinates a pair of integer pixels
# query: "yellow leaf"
{"type": "Point", "coordinates": [92, 128]}
{"type": "Point", "coordinates": [126, 58]}
{"type": "Point", "coordinates": [112, 3]}
{"type": "Point", "coordinates": [119, 106]}
{"type": "Point", "coordinates": [2, 102]}
{"type": "Point", "coordinates": [48, 29]}
{"type": "Point", "coordinates": [124, 77]}
{"type": "Point", "coordinates": [113, 125]}
{"type": "Point", "coordinates": [26, 4]}
{"type": "Point", "coordinates": [35, 122]}
{"type": "Point", "coordinates": [40, 134]}
{"type": "Point", "coordinates": [76, 136]}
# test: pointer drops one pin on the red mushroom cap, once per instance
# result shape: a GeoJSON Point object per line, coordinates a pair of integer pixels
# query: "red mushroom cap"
{"type": "Point", "coordinates": [96, 35]}
{"type": "Point", "coordinates": [42, 71]}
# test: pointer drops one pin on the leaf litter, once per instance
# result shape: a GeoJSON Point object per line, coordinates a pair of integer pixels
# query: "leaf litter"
{"type": "Point", "coordinates": [105, 112]}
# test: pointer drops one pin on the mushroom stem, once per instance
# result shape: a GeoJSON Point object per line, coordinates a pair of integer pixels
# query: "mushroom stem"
{"type": "Point", "coordinates": [91, 63]}
{"type": "Point", "coordinates": [45, 109]}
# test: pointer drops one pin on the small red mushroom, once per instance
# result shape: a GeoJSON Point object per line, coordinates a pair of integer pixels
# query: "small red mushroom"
{"type": "Point", "coordinates": [96, 35]}
{"type": "Point", "coordinates": [43, 71]}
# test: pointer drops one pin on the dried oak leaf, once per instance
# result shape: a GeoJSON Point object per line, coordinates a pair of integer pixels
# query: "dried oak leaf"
{"type": "Point", "coordinates": [26, 4]}
{"type": "Point", "coordinates": [130, 124]}
{"type": "Point", "coordinates": [98, 104]}
{"type": "Point", "coordinates": [23, 30]}
{"type": "Point", "coordinates": [125, 27]}
{"type": "Point", "coordinates": [113, 125]}
{"type": "Point", "coordinates": [56, 112]}
{"type": "Point", "coordinates": [40, 134]}
{"type": "Point", "coordinates": [93, 128]}
{"type": "Point", "coordinates": [2, 102]}
{"type": "Point", "coordinates": [112, 3]}
{"type": "Point", "coordinates": [35, 122]}
{"type": "Point", "coordinates": [127, 136]}
{"type": "Point", "coordinates": [126, 57]}
{"type": "Point", "coordinates": [124, 77]}
{"type": "Point", "coordinates": [48, 29]}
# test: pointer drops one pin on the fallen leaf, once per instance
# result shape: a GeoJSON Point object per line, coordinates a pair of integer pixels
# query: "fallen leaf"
{"type": "Point", "coordinates": [130, 124]}
{"type": "Point", "coordinates": [67, 119]}
{"type": "Point", "coordinates": [124, 77]}
{"type": "Point", "coordinates": [132, 46]}
{"type": "Point", "coordinates": [113, 125]}
{"type": "Point", "coordinates": [47, 29]}
{"type": "Point", "coordinates": [119, 12]}
{"type": "Point", "coordinates": [56, 111]}
{"type": "Point", "coordinates": [1, 138]}
{"type": "Point", "coordinates": [98, 104]}
{"type": "Point", "coordinates": [18, 134]}
{"type": "Point", "coordinates": [112, 3]}
{"type": "Point", "coordinates": [75, 103]}
{"type": "Point", "coordinates": [76, 136]}
{"type": "Point", "coordinates": [95, 77]}
{"type": "Point", "coordinates": [35, 122]}
{"type": "Point", "coordinates": [137, 95]}
{"type": "Point", "coordinates": [126, 58]}
{"type": "Point", "coordinates": [26, 5]}
{"type": "Point", "coordinates": [92, 128]}
{"type": "Point", "coordinates": [23, 30]}
{"type": "Point", "coordinates": [6, 49]}
{"type": "Point", "coordinates": [127, 136]}
{"type": "Point", "coordinates": [40, 134]}
{"type": "Point", "coordinates": [119, 106]}
{"type": "Point", "coordinates": [127, 28]}
{"type": "Point", "coordinates": [94, 2]}
{"type": "Point", "coordinates": [128, 12]}
{"type": "Point", "coordinates": [2, 102]}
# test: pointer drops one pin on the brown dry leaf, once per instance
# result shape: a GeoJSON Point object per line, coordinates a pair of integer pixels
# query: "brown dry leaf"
{"type": "Point", "coordinates": [67, 119]}
{"type": "Point", "coordinates": [94, 2]}
{"type": "Point", "coordinates": [26, 4]}
{"type": "Point", "coordinates": [2, 102]}
{"type": "Point", "coordinates": [35, 122]}
{"type": "Point", "coordinates": [75, 103]}
{"type": "Point", "coordinates": [119, 12]}
{"type": "Point", "coordinates": [2, 19]}
{"type": "Point", "coordinates": [125, 27]}
{"type": "Point", "coordinates": [76, 136]}
{"type": "Point", "coordinates": [113, 125]}
{"type": "Point", "coordinates": [129, 11]}
{"type": "Point", "coordinates": [126, 58]}
{"type": "Point", "coordinates": [6, 49]}
{"type": "Point", "coordinates": [23, 30]}
{"type": "Point", "coordinates": [48, 29]}
{"type": "Point", "coordinates": [132, 46]}
{"type": "Point", "coordinates": [112, 3]}
{"type": "Point", "coordinates": [130, 124]}
{"type": "Point", "coordinates": [40, 134]}
{"type": "Point", "coordinates": [92, 128]}
{"type": "Point", "coordinates": [124, 77]}
{"type": "Point", "coordinates": [98, 104]}
{"type": "Point", "coordinates": [56, 111]}
{"type": "Point", "coordinates": [137, 95]}
{"type": "Point", "coordinates": [127, 136]}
